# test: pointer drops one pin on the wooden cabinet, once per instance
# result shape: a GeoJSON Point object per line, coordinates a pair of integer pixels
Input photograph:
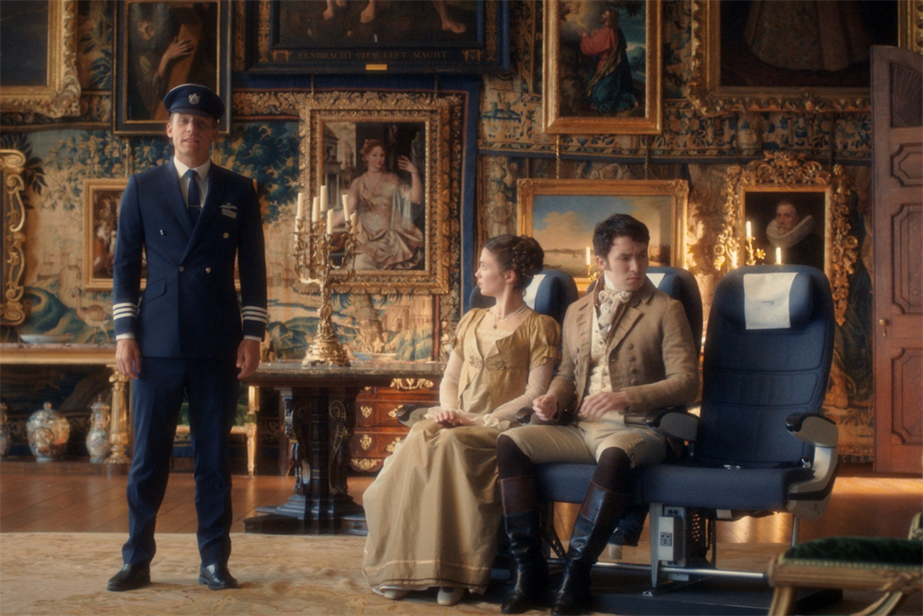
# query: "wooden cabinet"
{"type": "Point", "coordinates": [377, 430]}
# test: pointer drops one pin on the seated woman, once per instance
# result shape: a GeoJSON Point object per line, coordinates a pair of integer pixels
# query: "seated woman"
{"type": "Point", "coordinates": [433, 513]}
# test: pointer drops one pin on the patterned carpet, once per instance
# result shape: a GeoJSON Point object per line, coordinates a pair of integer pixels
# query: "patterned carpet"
{"type": "Point", "coordinates": [61, 574]}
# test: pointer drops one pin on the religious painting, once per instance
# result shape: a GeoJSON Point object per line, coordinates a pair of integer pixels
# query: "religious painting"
{"type": "Point", "coordinates": [400, 36]}
{"type": "Point", "coordinates": [102, 198]}
{"type": "Point", "coordinates": [387, 165]}
{"type": "Point", "coordinates": [162, 45]}
{"type": "Point", "coordinates": [12, 237]}
{"type": "Point", "coordinates": [561, 216]}
{"type": "Point", "coordinates": [809, 56]}
{"type": "Point", "coordinates": [38, 58]}
{"type": "Point", "coordinates": [602, 67]}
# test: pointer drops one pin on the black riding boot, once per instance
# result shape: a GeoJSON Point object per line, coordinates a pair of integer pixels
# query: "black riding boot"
{"type": "Point", "coordinates": [521, 521]}
{"type": "Point", "coordinates": [595, 523]}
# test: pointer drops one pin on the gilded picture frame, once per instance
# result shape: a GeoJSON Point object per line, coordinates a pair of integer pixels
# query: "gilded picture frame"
{"type": "Point", "coordinates": [758, 187]}
{"type": "Point", "coordinates": [402, 36]}
{"type": "Point", "coordinates": [561, 215]}
{"type": "Point", "coordinates": [714, 89]}
{"type": "Point", "coordinates": [12, 238]}
{"type": "Point", "coordinates": [40, 72]}
{"type": "Point", "coordinates": [403, 250]}
{"type": "Point", "coordinates": [192, 40]}
{"type": "Point", "coordinates": [102, 198]}
{"type": "Point", "coordinates": [588, 88]}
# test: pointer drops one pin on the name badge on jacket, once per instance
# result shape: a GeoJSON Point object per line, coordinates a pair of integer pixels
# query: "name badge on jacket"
{"type": "Point", "coordinates": [229, 210]}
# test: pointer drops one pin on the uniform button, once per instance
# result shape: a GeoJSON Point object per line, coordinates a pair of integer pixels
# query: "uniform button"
{"type": "Point", "coordinates": [208, 270]}
{"type": "Point", "coordinates": [634, 381]}
{"type": "Point", "coordinates": [225, 236]}
{"type": "Point", "coordinates": [182, 269]}
{"type": "Point", "coordinates": [631, 345]}
{"type": "Point", "coordinates": [633, 370]}
{"type": "Point", "coordinates": [631, 358]}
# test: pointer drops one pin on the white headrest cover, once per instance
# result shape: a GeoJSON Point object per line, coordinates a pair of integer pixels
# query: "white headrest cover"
{"type": "Point", "coordinates": [656, 278]}
{"type": "Point", "coordinates": [766, 300]}
{"type": "Point", "coordinates": [532, 290]}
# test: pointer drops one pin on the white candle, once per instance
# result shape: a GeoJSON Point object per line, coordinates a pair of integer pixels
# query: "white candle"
{"type": "Point", "coordinates": [323, 198]}
{"type": "Point", "coordinates": [778, 256]}
{"type": "Point", "coordinates": [299, 211]}
{"type": "Point", "coordinates": [329, 222]}
{"type": "Point", "coordinates": [354, 220]}
{"type": "Point", "coordinates": [589, 260]}
{"type": "Point", "coordinates": [315, 210]}
{"type": "Point", "coordinates": [345, 207]}
{"type": "Point", "coordinates": [749, 235]}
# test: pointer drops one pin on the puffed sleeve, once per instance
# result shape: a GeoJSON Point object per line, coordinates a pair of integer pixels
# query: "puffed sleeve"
{"type": "Point", "coordinates": [545, 342]}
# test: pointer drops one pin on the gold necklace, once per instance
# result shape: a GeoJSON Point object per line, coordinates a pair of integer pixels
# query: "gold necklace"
{"type": "Point", "coordinates": [507, 316]}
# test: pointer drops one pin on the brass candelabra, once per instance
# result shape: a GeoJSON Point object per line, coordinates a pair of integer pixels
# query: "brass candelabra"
{"type": "Point", "coordinates": [754, 255]}
{"type": "Point", "coordinates": [315, 267]}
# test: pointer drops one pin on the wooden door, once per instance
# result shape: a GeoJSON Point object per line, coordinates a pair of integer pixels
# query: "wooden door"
{"type": "Point", "coordinates": [897, 326]}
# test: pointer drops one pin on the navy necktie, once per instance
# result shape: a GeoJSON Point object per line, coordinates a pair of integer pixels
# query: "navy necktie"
{"type": "Point", "coordinates": [193, 201]}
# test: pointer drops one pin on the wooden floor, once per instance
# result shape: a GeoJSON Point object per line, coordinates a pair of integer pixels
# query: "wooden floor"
{"type": "Point", "coordinates": [862, 504]}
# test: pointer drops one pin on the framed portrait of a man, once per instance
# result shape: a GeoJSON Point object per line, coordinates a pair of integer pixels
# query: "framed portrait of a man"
{"type": "Point", "coordinates": [161, 45]}
{"type": "Point", "coordinates": [789, 226]}
{"type": "Point", "coordinates": [385, 162]}
{"type": "Point", "coordinates": [602, 67]}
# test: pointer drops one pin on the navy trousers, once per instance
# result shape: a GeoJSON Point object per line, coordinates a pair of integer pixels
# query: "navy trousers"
{"type": "Point", "coordinates": [212, 389]}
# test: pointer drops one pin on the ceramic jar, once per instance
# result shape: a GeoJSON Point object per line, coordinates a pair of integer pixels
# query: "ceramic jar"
{"type": "Point", "coordinates": [48, 430]}
{"type": "Point", "coordinates": [6, 437]}
{"type": "Point", "coordinates": [98, 436]}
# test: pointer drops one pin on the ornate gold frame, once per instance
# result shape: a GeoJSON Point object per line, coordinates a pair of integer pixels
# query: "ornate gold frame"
{"type": "Point", "coordinates": [711, 98]}
{"type": "Point", "coordinates": [90, 189]}
{"type": "Point", "coordinates": [555, 123]}
{"type": "Point", "coordinates": [13, 216]}
{"type": "Point", "coordinates": [380, 107]}
{"type": "Point", "coordinates": [60, 95]}
{"type": "Point", "coordinates": [528, 189]}
{"type": "Point", "coordinates": [789, 173]}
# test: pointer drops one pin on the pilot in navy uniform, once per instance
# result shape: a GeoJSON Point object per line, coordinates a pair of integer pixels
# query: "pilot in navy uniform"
{"type": "Point", "coordinates": [187, 335]}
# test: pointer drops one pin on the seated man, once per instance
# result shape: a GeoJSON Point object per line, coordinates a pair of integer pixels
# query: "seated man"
{"type": "Point", "coordinates": [628, 349]}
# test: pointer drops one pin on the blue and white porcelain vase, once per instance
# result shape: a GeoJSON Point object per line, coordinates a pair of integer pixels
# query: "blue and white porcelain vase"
{"type": "Point", "coordinates": [48, 431]}
{"type": "Point", "coordinates": [6, 436]}
{"type": "Point", "coordinates": [98, 436]}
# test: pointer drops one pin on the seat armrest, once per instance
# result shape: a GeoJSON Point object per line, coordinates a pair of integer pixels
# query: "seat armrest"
{"type": "Point", "coordinates": [524, 415]}
{"type": "Point", "coordinates": [409, 414]}
{"type": "Point", "coordinates": [809, 498]}
{"type": "Point", "coordinates": [673, 422]}
{"type": "Point", "coordinates": [813, 429]}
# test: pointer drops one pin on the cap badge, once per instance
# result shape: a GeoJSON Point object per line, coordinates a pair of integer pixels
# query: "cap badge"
{"type": "Point", "coordinates": [194, 99]}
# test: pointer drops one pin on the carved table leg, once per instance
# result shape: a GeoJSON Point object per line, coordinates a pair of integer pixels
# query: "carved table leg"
{"type": "Point", "coordinates": [120, 428]}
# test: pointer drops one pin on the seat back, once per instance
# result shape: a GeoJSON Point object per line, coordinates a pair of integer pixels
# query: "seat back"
{"type": "Point", "coordinates": [681, 286]}
{"type": "Point", "coordinates": [550, 292]}
{"type": "Point", "coordinates": [768, 352]}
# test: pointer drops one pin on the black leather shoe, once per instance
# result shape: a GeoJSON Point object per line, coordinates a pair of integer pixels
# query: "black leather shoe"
{"type": "Point", "coordinates": [131, 577]}
{"type": "Point", "coordinates": [217, 577]}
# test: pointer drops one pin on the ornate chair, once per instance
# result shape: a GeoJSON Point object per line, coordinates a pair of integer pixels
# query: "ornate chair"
{"type": "Point", "coordinates": [892, 566]}
{"type": "Point", "coordinates": [761, 445]}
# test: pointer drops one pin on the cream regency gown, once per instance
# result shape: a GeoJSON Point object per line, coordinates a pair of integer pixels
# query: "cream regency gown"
{"type": "Point", "coordinates": [434, 511]}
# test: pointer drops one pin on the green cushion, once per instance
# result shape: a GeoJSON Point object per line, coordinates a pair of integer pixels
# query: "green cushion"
{"type": "Point", "coordinates": [857, 552]}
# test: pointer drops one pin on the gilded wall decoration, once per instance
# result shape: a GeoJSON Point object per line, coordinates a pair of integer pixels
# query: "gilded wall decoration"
{"type": "Point", "coordinates": [12, 237]}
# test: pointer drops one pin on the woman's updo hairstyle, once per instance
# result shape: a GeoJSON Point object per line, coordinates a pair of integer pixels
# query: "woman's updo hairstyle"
{"type": "Point", "coordinates": [520, 253]}
{"type": "Point", "coordinates": [370, 144]}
